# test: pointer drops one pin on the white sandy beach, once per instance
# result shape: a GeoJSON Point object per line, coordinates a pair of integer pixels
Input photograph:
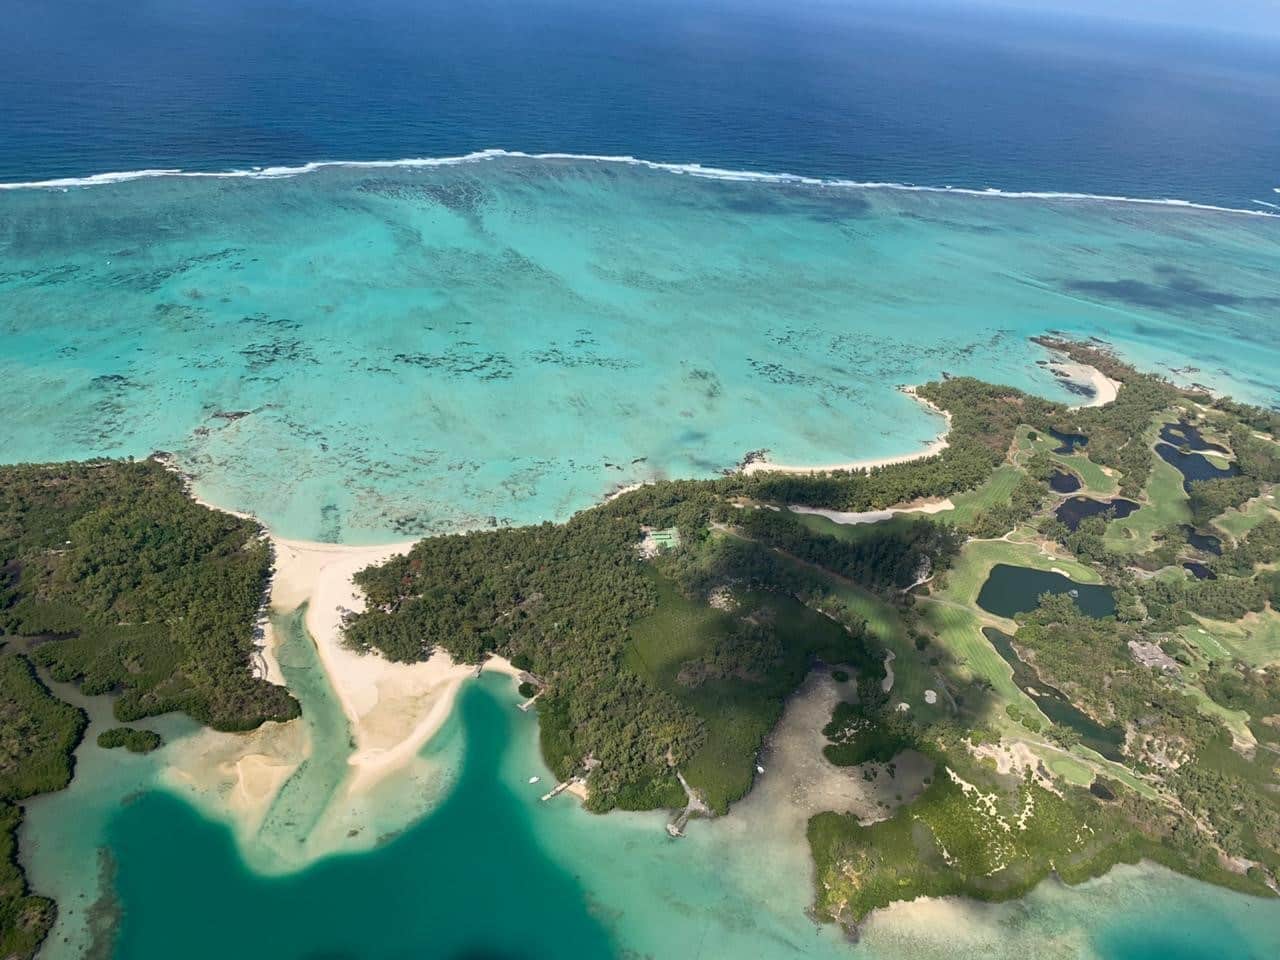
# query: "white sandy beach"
{"type": "Point", "coordinates": [935, 446]}
{"type": "Point", "coordinates": [875, 516]}
{"type": "Point", "coordinates": [1104, 392]}
{"type": "Point", "coordinates": [1104, 388]}
{"type": "Point", "coordinates": [393, 708]}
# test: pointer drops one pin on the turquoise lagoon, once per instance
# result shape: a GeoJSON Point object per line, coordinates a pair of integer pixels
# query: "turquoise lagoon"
{"type": "Point", "coordinates": [361, 354]}
{"type": "Point", "coordinates": [364, 354]}
{"type": "Point", "coordinates": [488, 870]}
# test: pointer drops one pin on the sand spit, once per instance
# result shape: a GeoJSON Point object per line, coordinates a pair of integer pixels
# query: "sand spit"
{"type": "Point", "coordinates": [237, 775]}
{"type": "Point", "coordinates": [934, 447]}
{"type": "Point", "coordinates": [1102, 388]}
{"type": "Point", "coordinates": [393, 708]}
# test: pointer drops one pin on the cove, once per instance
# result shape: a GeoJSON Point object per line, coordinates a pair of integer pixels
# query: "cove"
{"type": "Point", "coordinates": [1011, 590]}
{"type": "Point", "coordinates": [1053, 703]}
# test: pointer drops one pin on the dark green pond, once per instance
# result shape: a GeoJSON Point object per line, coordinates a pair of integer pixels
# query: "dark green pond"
{"type": "Point", "coordinates": [1074, 511]}
{"type": "Point", "coordinates": [1068, 442]}
{"type": "Point", "coordinates": [1053, 703]}
{"type": "Point", "coordinates": [1194, 466]}
{"type": "Point", "coordinates": [1184, 433]}
{"type": "Point", "coordinates": [1011, 590]}
{"type": "Point", "coordinates": [1063, 481]}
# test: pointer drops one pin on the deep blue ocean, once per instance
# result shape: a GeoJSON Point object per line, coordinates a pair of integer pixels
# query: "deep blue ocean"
{"type": "Point", "coordinates": [918, 94]}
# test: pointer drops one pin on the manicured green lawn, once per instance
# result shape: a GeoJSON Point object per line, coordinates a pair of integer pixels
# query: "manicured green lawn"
{"type": "Point", "coordinates": [1239, 522]}
{"type": "Point", "coordinates": [951, 613]}
{"type": "Point", "coordinates": [996, 490]}
{"type": "Point", "coordinates": [1164, 503]}
{"type": "Point", "coordinates": [1255, 639]}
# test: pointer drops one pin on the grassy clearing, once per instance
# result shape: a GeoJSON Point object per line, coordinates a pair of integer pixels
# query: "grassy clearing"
{"type": "Point", "coordinates": [1070, 769]}
{"type": "Point", "coordinates": [996, 490]}
{"type": "Point", "coordinates": [1255, 639]}
{"type": "Point", "coordinates": [1238, 522]}
{"type": "Point", "coordinates": [1097, 482]}
{"type": "Point", "coordinates": [1237, 721]}
{"type": "Point", "coordinates": [970, 571]}
{"type": "Point", "coordinates": [951, 613]}
{"type": "Point", "coordinates": [959, 632]}
{"type": "Point", "coordinates": [912, 672]}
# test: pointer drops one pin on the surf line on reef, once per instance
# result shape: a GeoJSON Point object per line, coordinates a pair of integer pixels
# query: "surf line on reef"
{"type": "Point", "coordinates": [689, 169]}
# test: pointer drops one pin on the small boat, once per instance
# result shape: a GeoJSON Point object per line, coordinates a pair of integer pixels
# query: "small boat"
{"type": "Point", "coordinates": [759, 769]}
{"type": "Point", "coordinates": [534, 779]}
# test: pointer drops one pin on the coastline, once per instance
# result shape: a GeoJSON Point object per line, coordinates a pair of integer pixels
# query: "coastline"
{"type": "Point", "coordinates": [932, 448]}
{"type": "Point", "coordinates": [1103, 387]}
{"type": "Point", "coordinates": [393, 708]}
{"type": "Point", "coordinates": [280, 171]}
{"type": "Point", "coordinates": [1102, 390]}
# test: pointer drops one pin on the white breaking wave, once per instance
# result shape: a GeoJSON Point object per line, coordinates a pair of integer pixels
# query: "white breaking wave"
{"type": "Point", "coordinates": [687, 169]}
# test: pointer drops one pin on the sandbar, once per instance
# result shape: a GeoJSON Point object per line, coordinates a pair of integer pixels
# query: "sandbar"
{"type": "Point", "coordinates": [393, 708]}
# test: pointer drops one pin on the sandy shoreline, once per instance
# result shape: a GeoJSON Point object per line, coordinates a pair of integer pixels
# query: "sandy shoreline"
{"type": "Point", "coordinates": [875, 516]}
{"type": "Point", "coordinates": [935, 446]}
{"type": "Point", "coordinates": [1103, 387]}
{"type": "Point", "coordinates": [1104, 391]}
{"type": "Point", "coordinates": [393, 708]}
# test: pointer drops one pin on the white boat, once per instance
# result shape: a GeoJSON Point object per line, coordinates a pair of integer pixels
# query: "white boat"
{"type": "Point", "coordinates": [534, 779]}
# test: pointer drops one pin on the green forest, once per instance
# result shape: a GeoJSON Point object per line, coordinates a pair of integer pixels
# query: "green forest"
{"type": "Point", "coordinates": [112, 577]}
{"type": "Point", "coordinates": [682, 659]}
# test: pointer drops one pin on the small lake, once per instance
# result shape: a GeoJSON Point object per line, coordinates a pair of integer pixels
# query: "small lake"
{"type": "Point", "coordinates": [1064, 481]}
{"type": "Point", "coordinates": [1194, 466]}
{"type": "Point", "coordinates": [1011, 590]}
{"type": "Point", "coordinates": [1068, 442]}
{"type": "Point", "coordinates": [1053, 703]}
{"type": "Point", "coordinates": [1073, 511]}
{"type": "Point", "coordinates": [1179, 434]}
{"type": "Point", "coordinates": [1202, 541]}
{"type": "Point", "coordinates": [1199, 570]}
